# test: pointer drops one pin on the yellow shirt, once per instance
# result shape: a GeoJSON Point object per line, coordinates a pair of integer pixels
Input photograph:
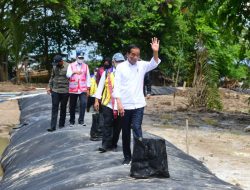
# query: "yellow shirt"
{"type": "Point", "coordinates": [93, 86]}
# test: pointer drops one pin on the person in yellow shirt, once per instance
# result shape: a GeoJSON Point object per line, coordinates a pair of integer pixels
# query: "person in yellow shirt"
{"type": "Point", "coordinates": [93, 88]}
{"type": "Point", "coordinates": [112, 128]}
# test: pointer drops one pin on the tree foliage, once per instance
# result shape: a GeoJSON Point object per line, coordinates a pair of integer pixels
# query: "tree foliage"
{"type": "Point", "coordinates": [40, 27]}
{"type": "Point", "coordinates": [52, 26]}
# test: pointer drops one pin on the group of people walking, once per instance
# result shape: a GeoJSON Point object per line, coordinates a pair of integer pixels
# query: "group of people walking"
{"type": "Point", "coordinates": [119, 94]}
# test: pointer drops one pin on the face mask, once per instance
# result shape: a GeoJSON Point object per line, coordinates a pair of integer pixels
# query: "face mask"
{"type": "Point", "coordinates": [80, 61]}
{"type": "Point", "coordinates": [116, 63]}
{"type": "Point", "coordinates": [107, 66]}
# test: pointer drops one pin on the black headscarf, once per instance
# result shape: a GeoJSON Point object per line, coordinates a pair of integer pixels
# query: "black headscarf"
{"type": "Point", "coordinates": [107, 59]}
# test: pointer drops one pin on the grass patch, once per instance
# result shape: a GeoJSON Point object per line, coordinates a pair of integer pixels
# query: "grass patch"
{"type": "Point", "coordinates": [167, 117]}
{"type": "Point", "coordinates": [210, 121]}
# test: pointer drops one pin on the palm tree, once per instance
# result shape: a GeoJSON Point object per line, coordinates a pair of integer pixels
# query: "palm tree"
{"type": "Point", "coordinates": [12, 41]}
{"type": "Point", "coordinates": [205, 93]}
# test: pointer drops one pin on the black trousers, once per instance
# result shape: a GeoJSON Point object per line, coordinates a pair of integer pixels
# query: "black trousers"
{"type": "Point", "coordinates": [73, 101]}
{"type": "Point", "coordinates": [111, 130]}
{"type": "Point", "coordinates": [91, 102]}
{"type": "Point", "coordinates": [132, 118]}
{"type": "Point", "coordinates": [58, 99]}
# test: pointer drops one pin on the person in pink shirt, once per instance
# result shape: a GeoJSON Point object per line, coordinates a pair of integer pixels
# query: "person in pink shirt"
{"type": "Point", "coordinates": [79, 85]}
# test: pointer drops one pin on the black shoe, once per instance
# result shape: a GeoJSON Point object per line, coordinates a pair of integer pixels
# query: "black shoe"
{"type": "Point", "coordinates": [114, 148]}
{"type": "Point", "coordinates": [126, 161]}
{"type": "Point", "coordinates": [102, 150]}
{"type": "Point", "coordinates": [50, 130]}
{"type": "Point", "coordinates": [61, 127]}
{"type": "Point", "coordinates": [93, 139]}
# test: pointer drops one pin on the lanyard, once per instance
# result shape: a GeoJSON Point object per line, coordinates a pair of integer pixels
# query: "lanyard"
{"type": "Point", "coordinates": [112, 98]}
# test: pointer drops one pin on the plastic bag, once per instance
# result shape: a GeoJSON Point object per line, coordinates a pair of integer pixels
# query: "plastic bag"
{"type": "Point", "coordinates": [149, 159]}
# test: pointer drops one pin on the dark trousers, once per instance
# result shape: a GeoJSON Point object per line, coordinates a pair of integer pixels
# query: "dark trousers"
{"type": "Point", "coordinates": [62, 99]}
{"type": "Point", "coordinates": [111, 130]}
{"type": "Point", "coordinates": [73, 101]}
{"type": "Point", "coordinates": [91, 102]}
{"type": "Point", "coordinates": [132, 118]}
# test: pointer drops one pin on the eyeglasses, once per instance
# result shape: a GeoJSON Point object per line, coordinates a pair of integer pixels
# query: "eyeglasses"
{"type": "Point", "coordinates": [80, 57]}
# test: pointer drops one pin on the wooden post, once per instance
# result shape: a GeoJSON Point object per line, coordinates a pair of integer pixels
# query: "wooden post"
{"type": "Point", "coordinates": [174, 99]}
{"type": "Point", "coordinates": [187, 145]}
{"type": "Point", "coordinates": [184, 85]}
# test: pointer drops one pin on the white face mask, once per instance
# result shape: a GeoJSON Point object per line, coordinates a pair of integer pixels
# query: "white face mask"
{"type": "Point", "coordinates": [115, 64]}
{"type": "Point", "coordinates": [79, 61]}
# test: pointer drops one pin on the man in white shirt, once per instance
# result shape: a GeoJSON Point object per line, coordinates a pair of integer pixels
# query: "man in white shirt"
{"type": "Point", "coordinates": [128, 91]}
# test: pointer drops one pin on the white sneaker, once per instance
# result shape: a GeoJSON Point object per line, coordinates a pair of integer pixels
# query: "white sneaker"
{"type": "Point", "coordinates": [71, 125]}
{"type": "Point", "coordinates": [247, 129]}
{"type": "Point", "coordinates": [126, 162]}
{"type": "Point", "coordinates": [83, 124]}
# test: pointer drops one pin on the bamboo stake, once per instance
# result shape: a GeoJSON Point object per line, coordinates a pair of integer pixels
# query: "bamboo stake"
{"type": "Point", "coordinates": [174, 99]}
{"type": "Point", "coordinates": [187, 144]}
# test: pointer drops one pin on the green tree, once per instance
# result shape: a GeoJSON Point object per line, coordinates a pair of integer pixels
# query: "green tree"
{"type": "Point", "coordinates": [114, 24]}
{"type": "Point", "coordinates": [41, 27]}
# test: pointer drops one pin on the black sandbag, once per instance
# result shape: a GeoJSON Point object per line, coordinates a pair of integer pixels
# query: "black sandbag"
{"type": "Point", "coordinates": [149, 159]}
{"type": "Point", "coordinates": [96, 128]}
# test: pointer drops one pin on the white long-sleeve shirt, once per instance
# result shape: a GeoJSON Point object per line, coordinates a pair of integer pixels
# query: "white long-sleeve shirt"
{"type": "Point", "coordinates": [100, 88]}
{"type": "Point", "coordinates": [79, 66]}
{"type": "Point", "coordinates": [129, 80]}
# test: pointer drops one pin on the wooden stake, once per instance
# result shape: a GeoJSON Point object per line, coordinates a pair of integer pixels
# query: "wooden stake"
{"type": "Point", "coordinates": [184, 85]}
{"type": "Point", "coordinates": [187, 144]}
{"type": "Point", "coordinates": [174, 99]}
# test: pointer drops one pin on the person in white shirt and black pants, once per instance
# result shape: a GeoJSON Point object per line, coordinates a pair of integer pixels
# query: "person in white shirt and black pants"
{"type": "Point", "coordinates": [128, 91]}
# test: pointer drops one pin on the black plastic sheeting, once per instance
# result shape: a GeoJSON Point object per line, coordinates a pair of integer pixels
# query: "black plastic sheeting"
{"type": "Point", "coordinates": [66, 159]}
{"type": "Point", "coordinates": [163, 90]}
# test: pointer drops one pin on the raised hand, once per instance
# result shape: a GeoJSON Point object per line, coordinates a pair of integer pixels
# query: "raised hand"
{"type": "Point", "coordinates": [155, 44]}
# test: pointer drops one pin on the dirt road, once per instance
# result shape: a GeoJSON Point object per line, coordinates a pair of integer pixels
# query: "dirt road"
{"type": "Point", "coordinates": [225, 151]}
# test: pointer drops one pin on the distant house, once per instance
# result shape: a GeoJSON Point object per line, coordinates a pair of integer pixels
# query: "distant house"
{"type": "Point", "coordinates": [158, 78]}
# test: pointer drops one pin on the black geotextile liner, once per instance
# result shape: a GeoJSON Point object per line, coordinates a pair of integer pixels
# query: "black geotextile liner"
{"type": "Point", "coordinates": [66, 159]}
{"type": "Point", "coordinates": [162, 90]}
